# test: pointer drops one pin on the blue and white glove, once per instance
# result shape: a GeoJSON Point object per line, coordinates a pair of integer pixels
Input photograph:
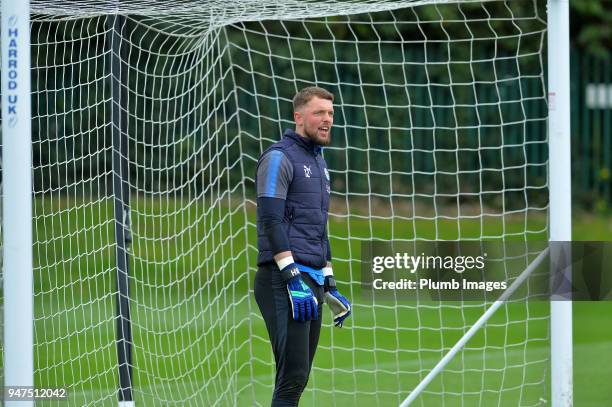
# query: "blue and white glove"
{"type": "Point", "coordinates": [338, 304]}
{"type": "Point", "coordinates": [303, 303]}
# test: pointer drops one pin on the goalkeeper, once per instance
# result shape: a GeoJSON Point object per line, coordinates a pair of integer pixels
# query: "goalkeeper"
{"type": "Point", "coordinates": [294, 274]}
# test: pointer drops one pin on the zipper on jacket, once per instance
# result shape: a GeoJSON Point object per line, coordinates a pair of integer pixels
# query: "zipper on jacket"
{"type": "Point", "coordinates": [319, 159]}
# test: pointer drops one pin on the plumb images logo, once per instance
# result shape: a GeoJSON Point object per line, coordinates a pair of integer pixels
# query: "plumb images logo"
{"type": "Point", "coordinates": [13, 35]}
{"type": "Point", "coordinates": [451, 271]}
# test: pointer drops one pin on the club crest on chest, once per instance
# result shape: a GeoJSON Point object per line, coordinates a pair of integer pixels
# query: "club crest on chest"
{"type": "Point", "coordinates": [307, 171]}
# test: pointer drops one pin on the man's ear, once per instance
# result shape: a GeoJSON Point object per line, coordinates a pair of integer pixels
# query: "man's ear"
{"type": "Point", "coordinates": [298, 118]}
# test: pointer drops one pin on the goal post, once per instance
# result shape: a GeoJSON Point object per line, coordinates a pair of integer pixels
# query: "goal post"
{"type": "Point", "coordinates": [560, 192]}
{"type": "Point", "coordinates": [147, 121]}
{"type": "Point", "coordinates": [18, 350]}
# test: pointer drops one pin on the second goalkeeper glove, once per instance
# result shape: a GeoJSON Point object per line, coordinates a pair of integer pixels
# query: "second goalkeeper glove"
{"type": "Point", "coordinates": [303, 303]}
{"type": "Point", "coordinates": [338, 304]}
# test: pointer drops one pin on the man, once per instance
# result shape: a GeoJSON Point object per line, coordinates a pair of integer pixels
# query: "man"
{"type": "Point", "coordinates": [295, 272]}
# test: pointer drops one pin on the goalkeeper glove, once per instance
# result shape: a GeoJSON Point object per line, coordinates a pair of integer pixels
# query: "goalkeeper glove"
{"type": "Point", "coordinates": [303, 302]}
{"type": "Point", "coordinates": [338, 304]}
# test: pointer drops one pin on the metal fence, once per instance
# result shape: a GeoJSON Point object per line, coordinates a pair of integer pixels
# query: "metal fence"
{"type": "Point", "coordinates": [265, 109]}
{"type": "Point", "coordinates": [592, 130]}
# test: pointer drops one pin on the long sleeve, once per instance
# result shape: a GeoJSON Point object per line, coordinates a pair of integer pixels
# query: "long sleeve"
{"type": "Point", "coordinates": [274, 175]}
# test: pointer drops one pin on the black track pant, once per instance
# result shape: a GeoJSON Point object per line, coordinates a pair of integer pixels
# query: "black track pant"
{"type": "Point", "coordinates": [293, 343]}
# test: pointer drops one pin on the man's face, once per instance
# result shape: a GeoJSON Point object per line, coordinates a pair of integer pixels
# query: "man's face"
{"type": "Point", "coordinates": [315, 119]}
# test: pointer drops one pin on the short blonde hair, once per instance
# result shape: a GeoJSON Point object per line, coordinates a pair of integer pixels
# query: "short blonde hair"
{"type": "Point", "coordinates": [305, 95]}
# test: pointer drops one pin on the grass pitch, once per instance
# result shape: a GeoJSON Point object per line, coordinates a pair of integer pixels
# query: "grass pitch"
{"type": "Point", "coordinates": [199, 339]}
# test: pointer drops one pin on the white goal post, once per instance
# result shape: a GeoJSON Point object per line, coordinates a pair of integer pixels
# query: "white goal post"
{"type": "Point", "coordinates": [130, 134]}
{"type": "Point", "coordinates": [17, 198]}
{"type": "Point", "coordinates": [560, 191]}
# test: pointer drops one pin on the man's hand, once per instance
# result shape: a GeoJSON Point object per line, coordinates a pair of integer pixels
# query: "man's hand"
{"type": "Point", "coordinates": [339, 305]}
{"type": "Point", "coordinates": [303, 302]}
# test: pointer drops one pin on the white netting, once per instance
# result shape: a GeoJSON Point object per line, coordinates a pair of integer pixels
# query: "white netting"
{"type": "Point", "coordinates": [440, 133]}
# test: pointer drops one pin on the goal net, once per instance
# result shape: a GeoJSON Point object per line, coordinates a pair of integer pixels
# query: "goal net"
{"type": "Point", "coordinates": [158, 112]}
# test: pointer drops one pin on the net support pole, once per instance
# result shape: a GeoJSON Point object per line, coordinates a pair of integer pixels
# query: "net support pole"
{"type": "Point", "coordinates": [17, 197]}
{"type": "Point", "coordinates": [121, 192]}
{"type": "Point", "coordinates": [560, 191]}
{"type": "Point", "coordinates": [474, 328]}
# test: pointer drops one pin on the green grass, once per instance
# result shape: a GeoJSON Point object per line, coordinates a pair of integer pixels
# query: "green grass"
{"type": "Point", "coordinates": [199, 339]}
